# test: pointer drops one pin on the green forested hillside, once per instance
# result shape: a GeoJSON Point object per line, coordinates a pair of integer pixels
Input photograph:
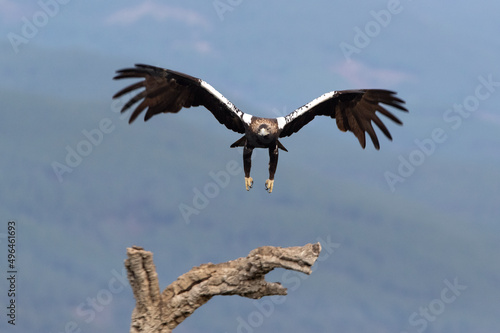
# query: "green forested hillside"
{"type": "Point", "coordinates": [384, 254]}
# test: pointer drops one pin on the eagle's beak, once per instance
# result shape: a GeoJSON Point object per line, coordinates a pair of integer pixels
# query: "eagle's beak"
{"type": "Point", "coordinates": [263, 132]}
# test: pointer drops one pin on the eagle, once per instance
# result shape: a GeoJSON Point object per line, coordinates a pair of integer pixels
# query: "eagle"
{"type": "Point", "coordinates": [168, 91]}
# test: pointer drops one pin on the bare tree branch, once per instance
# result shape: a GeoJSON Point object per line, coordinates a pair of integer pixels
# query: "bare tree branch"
{"type": "Point", "coordinates": [161, 313]}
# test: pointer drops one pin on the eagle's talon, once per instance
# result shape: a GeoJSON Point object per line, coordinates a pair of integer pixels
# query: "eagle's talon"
{"type": "Point", "coordinates": [269, 185]}
{"type": "Point", "coordinates": [248, 183]}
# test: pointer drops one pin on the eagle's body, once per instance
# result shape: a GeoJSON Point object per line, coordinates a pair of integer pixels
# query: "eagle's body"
{"type": "Point", "coordinates": [167, 91]}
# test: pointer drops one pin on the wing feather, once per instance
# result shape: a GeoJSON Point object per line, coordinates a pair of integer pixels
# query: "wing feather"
{"type": "Point", "coordinates": [128, 89]}
{"type": "Point", "coordinates": [353, 110]}
{"type": "Point", "coordinates": [134, 100]}
{"type": "Point", "coordinates": [167, 91]}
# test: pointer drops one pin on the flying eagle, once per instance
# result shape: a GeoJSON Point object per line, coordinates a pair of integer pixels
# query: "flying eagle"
{"type": "Point", "coordinates": [168, 91]}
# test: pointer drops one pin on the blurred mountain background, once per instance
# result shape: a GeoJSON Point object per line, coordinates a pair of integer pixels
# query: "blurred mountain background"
{"type": "Point", "coordinates": [410, 233]}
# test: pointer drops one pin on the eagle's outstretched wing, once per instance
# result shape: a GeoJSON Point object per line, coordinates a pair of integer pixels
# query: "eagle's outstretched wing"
{"type": "Point", "coordinates": [354, 110]}
{"type": "Point", "coordinates": [169, 91]}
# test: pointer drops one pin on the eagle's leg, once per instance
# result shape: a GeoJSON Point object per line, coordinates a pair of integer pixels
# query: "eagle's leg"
{"type": "Point", "coordinates": [247, 165]}
{"type": "Point", "coordinates": [273, 164]}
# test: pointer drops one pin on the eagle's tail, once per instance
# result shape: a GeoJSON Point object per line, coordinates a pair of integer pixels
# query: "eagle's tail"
{"type": "Point", "coordinates": [240, 143]}
{"type": "Point", "coordinates": [243, 140]}
{"type": "Point", "coordinates": [280, 146]}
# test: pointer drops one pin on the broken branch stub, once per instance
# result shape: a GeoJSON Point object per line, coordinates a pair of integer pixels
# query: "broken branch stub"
{"type": "Point", "coordinates": [162, 312]}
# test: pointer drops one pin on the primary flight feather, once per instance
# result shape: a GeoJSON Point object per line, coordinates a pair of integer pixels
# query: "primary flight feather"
{"type": "Point", "coordinates": [167, 91]}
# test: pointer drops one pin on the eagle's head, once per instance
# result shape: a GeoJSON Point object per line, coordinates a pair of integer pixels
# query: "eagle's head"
{"type": "Point", "coordinates": [264, 132]}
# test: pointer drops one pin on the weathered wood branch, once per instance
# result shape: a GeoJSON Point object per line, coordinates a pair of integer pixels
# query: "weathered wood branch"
{"type": "Point", "coordinates": [162, 312]}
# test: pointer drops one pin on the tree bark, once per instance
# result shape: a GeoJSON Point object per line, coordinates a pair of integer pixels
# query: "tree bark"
{"type": "Point", "coordinates": [162, 312]}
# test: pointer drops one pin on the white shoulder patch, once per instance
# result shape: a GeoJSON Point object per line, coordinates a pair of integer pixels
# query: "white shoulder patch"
{"type": "Point", "coordinates": [247, 118]}
{"type": "Point", "coordinates": [281, 122]}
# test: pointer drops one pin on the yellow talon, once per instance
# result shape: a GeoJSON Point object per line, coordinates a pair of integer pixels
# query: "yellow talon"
{"type": "Point", "coordinates": [248, 183]}
{"type": "Point", "coordinates": [269, 185]}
